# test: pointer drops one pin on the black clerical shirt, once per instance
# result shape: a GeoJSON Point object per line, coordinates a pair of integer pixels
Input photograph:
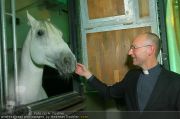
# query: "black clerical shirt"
{"type": "Point", "coordinates": [145, 86]}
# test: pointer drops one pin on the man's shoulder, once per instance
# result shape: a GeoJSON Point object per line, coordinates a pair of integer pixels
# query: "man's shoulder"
{"type": "Point", "coordinates": [171, 74]}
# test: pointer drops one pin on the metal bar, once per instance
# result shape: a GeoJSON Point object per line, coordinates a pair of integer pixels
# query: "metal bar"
{"type": "Point", "coordinates": [1, 86]}
{"type": "Point", "coordinates": [4, 57]}
{"type": "Point", "coordinates": [14, 50]}
{"type": "Point", "coordinates": [58, 103]}
{"type": "Point", "coordinates": [162, 21]}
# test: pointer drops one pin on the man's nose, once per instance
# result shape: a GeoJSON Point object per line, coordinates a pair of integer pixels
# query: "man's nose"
{"type": "Point", "coordinates": [130, 52]}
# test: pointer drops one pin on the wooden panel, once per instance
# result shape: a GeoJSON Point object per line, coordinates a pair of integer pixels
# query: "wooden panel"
{"type": "Point", "coordinates": [105, 8]}
{"type": "Point", "coordinates": [107, 53]}
{"type": "Point", "coordinates": [143, 8]}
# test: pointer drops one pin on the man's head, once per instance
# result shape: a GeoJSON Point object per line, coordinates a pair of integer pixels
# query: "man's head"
{"type": "Point", "coordinates": [145, 49]}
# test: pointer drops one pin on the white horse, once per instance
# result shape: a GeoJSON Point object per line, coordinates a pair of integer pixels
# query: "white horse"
{"type": "Point", "coordinates": [43, 46]}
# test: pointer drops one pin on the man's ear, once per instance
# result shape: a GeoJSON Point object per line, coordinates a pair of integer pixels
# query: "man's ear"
{"type": "Point", "coordinates": [151, 50]}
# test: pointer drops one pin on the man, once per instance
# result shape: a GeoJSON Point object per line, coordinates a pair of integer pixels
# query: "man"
{"type": "Point", "coordinates": [150, 88]}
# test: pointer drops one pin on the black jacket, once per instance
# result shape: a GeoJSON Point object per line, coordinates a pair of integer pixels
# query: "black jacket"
{"type": "Point", "coordinates": [165, 95]}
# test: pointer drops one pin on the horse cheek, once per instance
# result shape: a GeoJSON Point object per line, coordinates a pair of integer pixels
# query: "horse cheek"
{"type": "Point", "coordinates": [38, 58]}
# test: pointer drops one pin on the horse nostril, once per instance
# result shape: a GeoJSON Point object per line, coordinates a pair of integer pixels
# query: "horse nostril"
{"type": "Point", "coordinates": [67, 60]}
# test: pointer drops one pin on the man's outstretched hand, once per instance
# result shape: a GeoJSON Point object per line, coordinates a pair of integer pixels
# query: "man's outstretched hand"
{"type": "Point", "coordinates": [82, 71]}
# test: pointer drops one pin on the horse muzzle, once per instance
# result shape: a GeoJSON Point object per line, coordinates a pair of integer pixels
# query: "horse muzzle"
{"type": "Point", "coordinates": [66, 64]}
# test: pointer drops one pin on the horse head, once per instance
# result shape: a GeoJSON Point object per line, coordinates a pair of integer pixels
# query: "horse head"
{"type": "Point", "coordinates": [47, 47]}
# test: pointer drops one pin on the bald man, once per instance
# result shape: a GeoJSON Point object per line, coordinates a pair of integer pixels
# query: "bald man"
{"type": "Point", "coordinates": [150, 88]}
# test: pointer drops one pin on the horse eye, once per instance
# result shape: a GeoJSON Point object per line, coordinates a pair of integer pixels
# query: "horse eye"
{"type": "Point", "coordinates": [40, 32]}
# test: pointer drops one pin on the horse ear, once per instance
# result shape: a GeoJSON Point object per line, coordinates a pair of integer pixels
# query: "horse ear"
{"type": "Point", "coordinates": [31, 20]}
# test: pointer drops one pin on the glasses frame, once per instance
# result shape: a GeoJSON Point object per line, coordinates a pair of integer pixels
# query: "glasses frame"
{"type": "Point", "coordinates": [132, 47]}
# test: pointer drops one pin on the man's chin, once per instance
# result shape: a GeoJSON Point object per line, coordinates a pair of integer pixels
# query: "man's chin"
{"type": "Point", "coordinates": [135, 63]}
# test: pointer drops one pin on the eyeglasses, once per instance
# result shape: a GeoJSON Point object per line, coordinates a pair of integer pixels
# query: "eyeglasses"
{"type": "Point", "coordinates": [134, 47]}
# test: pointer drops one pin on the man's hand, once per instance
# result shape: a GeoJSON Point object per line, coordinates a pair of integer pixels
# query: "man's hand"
{"type": "Point", "coordinates": [82, 71]}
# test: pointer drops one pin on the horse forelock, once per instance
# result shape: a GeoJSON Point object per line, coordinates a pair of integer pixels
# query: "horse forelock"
{"type": "Point", "coordinates": [49, 26]}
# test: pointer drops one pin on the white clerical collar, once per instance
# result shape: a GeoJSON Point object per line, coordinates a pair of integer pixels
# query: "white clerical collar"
{"type": "Point", "coordinates": [145, 71]}
{"type": "Point", "coordinates": [154, 69]}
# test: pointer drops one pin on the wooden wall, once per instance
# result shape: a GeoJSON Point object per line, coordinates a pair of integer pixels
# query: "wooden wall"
{"type": "Point", "coordinates": [143, 8]}
{"type": "Point", "coordinates": [105, 8]}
